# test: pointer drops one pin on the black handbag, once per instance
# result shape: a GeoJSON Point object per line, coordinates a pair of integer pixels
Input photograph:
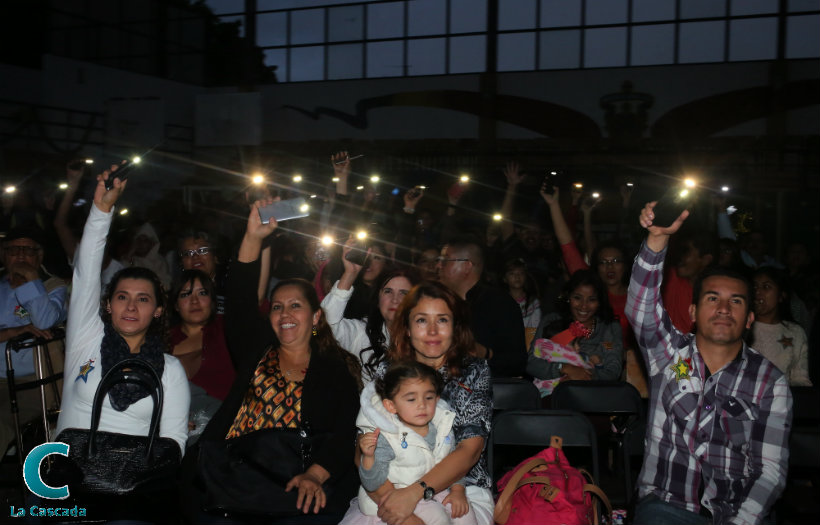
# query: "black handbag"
{"type": "Point", "coordinates": [246, 475]}
{"type": "Point", "coordinates": [112, 464]}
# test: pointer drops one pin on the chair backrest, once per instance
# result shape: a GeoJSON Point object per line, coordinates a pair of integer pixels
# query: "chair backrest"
{"type": "Point", "coordinates": [514, 393]}
{"type": "Point", "coordinates": [598, 397]}
{"type": "Point", "coordinates": [806, 404]}
{"type": "Point", "coordinates": [535, 427]}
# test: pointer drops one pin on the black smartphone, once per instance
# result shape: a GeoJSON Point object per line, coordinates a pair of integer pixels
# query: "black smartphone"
{"type": "Point", "coordinates": [121, 173]}
{"type": "Point", "coordinates": [358, 253]}
{"type": "Point", "coordinates": [671, 205]}
{"type": "Point", "coordinates": [550, 181]}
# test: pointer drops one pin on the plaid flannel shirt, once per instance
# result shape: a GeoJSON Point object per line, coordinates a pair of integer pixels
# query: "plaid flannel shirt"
{"type": "Point", "coordinates": [729, 431]}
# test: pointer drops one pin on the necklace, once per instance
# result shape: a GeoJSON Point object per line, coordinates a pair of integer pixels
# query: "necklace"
{"type": "Point", "coordinates": [290, 371]}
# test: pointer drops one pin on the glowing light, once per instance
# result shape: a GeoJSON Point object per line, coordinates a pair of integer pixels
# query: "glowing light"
{"type": "Point", "coordinates": [553, 173]}
{"type": "Point", "coordinates": [89, 161]}
{"type": "Point", "coordinates": [313, 196]}
{"type": "Point", "coordinates": [258, 179]}
{"type": "Point", "coordinates": [497, 217]}
{"type": "Point", "coordinates": [578, 185]}
{"type": "Point", "coordinates": [63, 185]}
{"type": "Point", "coordinates": [124, 211]}
{"type": "Point", "coordinates": [304, 208]}
{"type": "Point", "coordinates": [596, 195]}
{"type": "Point", "coordinates": [684, 193]}
{"type": "Point", "coordinates": [361, 234]}
{"type": "Point", "coordinates": [374, 179]}
{"type": "Point", "coordinates": [359, 188]}
{"type": "Point", "coordinates": [724, 188]}
{"type": "Point", "coordinates": [327, 240]}
{"type": "Point", "coordinates": [297, 178]}
{"type": "Point", "coordinates": [10, 189]}
{"type": "Point", "coordinates": [136, 160]}
{"type": "Point", "coordinates": [464, 178]}
{"type": "Point", "coordinates": [629, 184]}
{"type": "Point", "coordinates": [689, 183]}
{"type": "Point", "coordinates": [335, 179]}
{"type": "Point", "coordinates": [422, 187]}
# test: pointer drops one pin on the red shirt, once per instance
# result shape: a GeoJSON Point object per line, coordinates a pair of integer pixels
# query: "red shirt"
{"type": "Point", "coordinates": [216, 373]}
{"type": "Point", "coordinates": [677, 297]}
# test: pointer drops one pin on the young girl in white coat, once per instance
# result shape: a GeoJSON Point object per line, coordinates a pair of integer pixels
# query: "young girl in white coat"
{"type": "Point", "coordinates": [413, 432]}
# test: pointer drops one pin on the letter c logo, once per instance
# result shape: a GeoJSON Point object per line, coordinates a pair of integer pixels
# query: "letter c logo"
{"type": "Point", "coordinates": [31, 470]}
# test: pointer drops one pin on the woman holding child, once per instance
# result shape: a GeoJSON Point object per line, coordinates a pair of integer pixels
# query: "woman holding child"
{"type": "Point", "coordinates": [431, 327]}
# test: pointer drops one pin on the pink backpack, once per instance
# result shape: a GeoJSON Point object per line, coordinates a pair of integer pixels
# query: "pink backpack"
{"type": "Point", "coordinates": [545, 489]}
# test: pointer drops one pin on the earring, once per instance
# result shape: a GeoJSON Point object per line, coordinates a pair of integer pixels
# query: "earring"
{"type": "Point", "coordinates": [156, 316]}
{"type": "Point", "coordinates": [314, 331]}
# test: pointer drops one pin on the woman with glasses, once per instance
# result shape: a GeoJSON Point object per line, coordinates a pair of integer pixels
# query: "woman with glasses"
{"type": "Point", "coordinates": [198, 251]}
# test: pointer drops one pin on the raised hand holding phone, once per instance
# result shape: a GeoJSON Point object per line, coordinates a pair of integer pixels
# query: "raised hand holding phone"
{"type": "Point", "coordinates": [108, 190]}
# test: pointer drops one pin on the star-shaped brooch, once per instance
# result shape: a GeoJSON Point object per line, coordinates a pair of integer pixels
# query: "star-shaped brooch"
{"type": "Point", "coordinates": [84, 371]}
{"type": "Point", "coordinates": [786, 342]}
{"type": "Point", "coordinates": [682, 368]}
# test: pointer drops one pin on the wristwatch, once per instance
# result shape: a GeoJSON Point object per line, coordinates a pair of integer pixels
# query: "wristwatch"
{"type": "Point", "coordinates": [428, 491]}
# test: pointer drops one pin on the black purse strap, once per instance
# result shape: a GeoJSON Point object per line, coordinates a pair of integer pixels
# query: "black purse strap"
{"type": "Point", "coordinates": [128, 371]}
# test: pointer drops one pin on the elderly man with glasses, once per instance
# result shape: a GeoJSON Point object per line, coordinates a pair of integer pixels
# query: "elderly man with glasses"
{"type": "Point", "coordinates": [30, 304]}
{"type": "Point", "coordinates": [497, 324]}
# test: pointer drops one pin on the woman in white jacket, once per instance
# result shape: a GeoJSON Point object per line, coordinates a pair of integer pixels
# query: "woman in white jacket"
{"type": "Point", "coordinates": [366, 338]}
{"type": "Point", "coordinates": [129, 323]}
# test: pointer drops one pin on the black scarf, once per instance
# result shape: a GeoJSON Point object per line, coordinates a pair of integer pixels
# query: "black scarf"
{"type": "Point", "coordinates": [114, 349]}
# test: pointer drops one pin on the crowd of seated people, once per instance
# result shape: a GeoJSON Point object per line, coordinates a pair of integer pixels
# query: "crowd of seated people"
{"type": "Point", "coordinates": [274, 328]}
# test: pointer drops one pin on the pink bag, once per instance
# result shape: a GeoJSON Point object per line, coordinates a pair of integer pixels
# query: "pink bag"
{"type": "Point", "coordinates": [545, 489]}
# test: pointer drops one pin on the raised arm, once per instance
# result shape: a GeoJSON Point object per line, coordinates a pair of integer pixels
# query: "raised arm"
{"type": "Point", "coordinates": [644, 306]}
{"type": "Point", "coordinates": [569, 250]}
{"type": "Point", "coordinates": [514, 178]}
{"type": "Point", "coordinates": [350, 333]}
{"type": "Point", "coordinates": [67, 239]}
{"type": "Point", "coordinates": [83, 312]}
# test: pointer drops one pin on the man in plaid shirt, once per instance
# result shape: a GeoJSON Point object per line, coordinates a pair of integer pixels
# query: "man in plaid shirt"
{"type": "Point", "coordinates": [720, 414]}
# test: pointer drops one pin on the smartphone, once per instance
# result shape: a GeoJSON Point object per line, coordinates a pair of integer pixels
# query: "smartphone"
{"type": "Point", "coordinates": [122, 172]}
{"type": "Point", "coordinates": [415, 191]}
{"type": "Point", "coordinates": [672, 204]}
{"type": "Point", "coordinates": [550, 181]}
{"type": "Point", "coordinates": [284, 210]}
{"type": "Point", "coordinates": [358, 253]}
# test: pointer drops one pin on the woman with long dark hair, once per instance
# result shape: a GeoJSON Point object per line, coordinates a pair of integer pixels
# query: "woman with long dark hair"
{"type": "Point", "coordinates": [367, 338]}
{"type": "Point", "coordinates": [584, 324]}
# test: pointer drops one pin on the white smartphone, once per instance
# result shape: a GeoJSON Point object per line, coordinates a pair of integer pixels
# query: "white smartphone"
{"type": "Point", "coordinates": [284, 210]}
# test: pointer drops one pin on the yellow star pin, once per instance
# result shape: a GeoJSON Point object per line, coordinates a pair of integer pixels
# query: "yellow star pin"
{"type": "Point", "coordinates": [681, 369]}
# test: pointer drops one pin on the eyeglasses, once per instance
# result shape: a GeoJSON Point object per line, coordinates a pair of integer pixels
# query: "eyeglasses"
{"type": "Point", "coordinates": [609, 262]}
{"type": "Point", "coordinates": [205, 250]}
{"type": "Point", "coordinates": [442, 260]}
{"type": "Point", "coordinates": [28, 251]}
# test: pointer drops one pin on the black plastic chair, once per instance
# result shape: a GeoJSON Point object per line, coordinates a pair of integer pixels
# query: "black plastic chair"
{"type": "Point", "coordinates": [799, 501]}
{"type": "Point", "coordinates": [514, 393]}
{"type": "Point", "coordinates": [534, 428]}
{"type": "Point", "coordinates": [609, 398]}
